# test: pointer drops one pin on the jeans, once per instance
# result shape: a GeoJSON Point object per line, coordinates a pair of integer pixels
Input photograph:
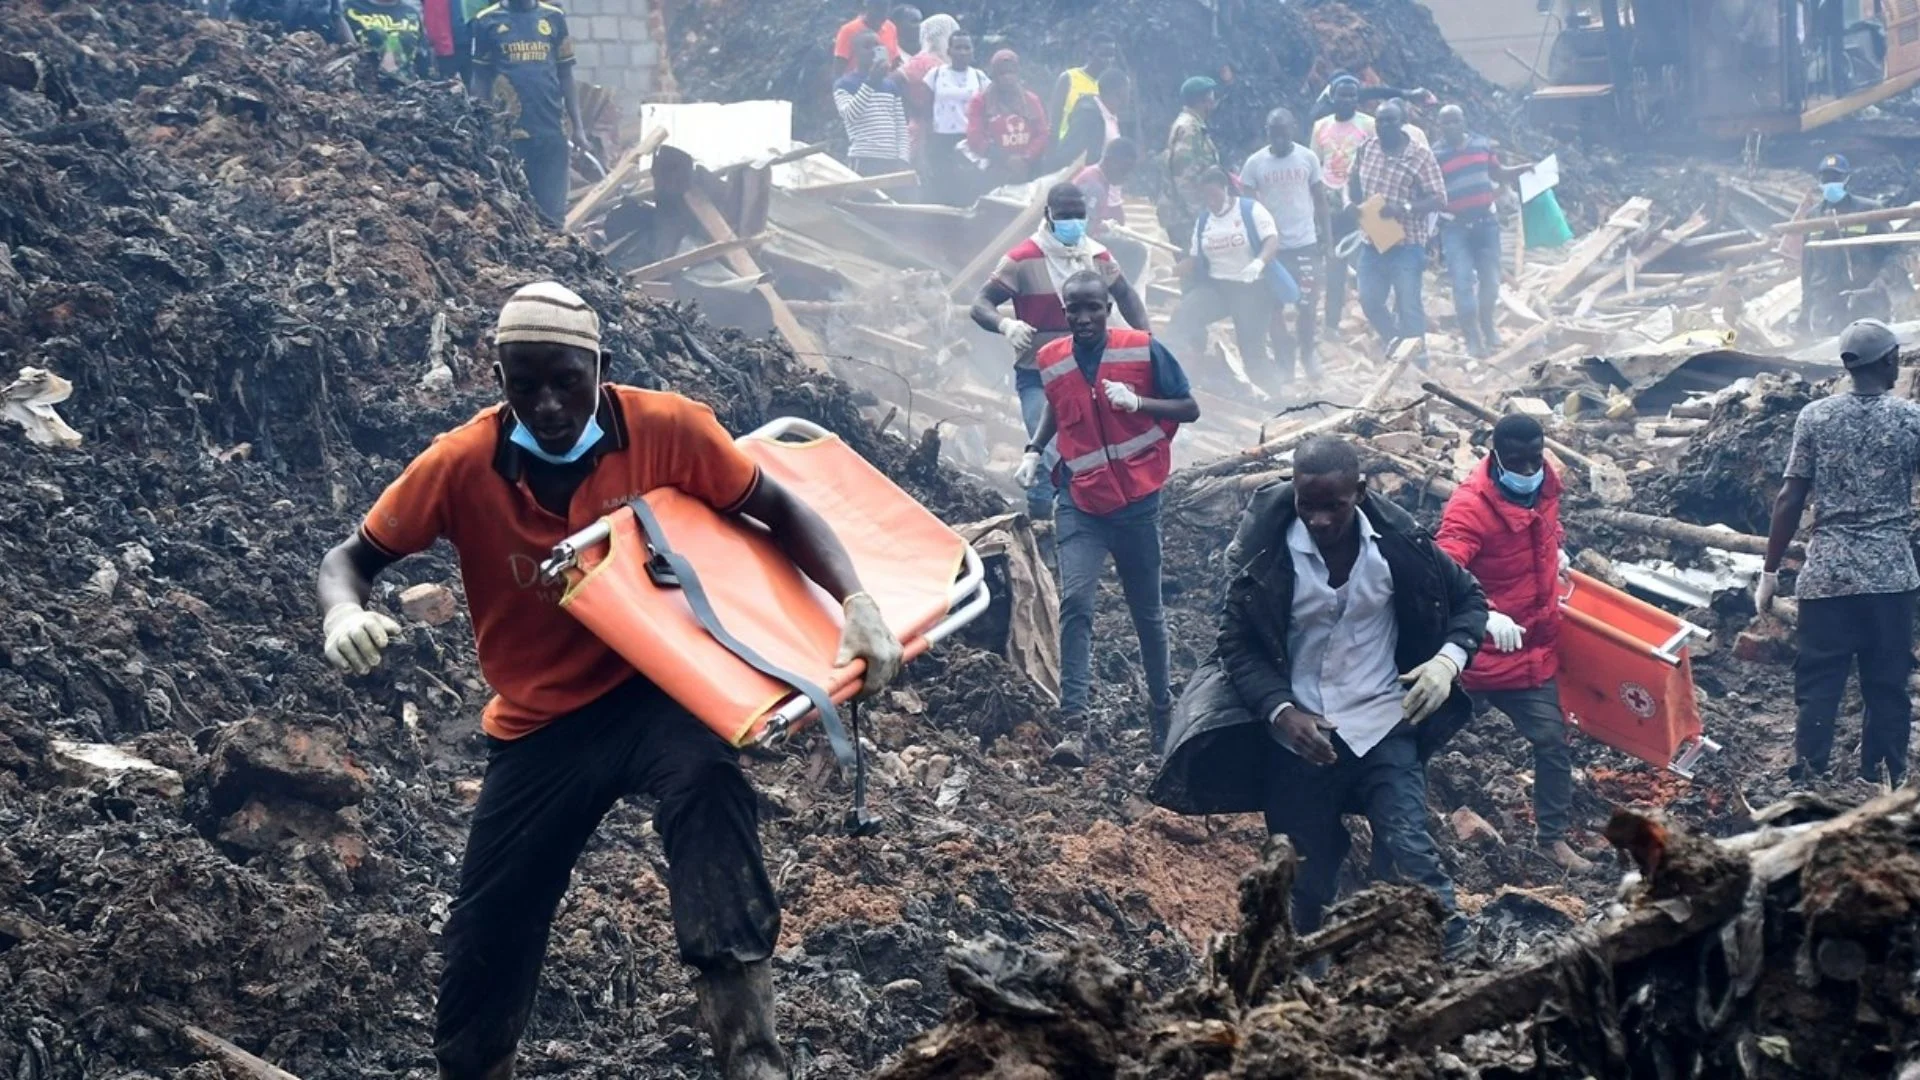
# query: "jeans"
{"type": "Point", "coordinates": [1248, 303]}
{"type": "Point", "coordinates": [1876, 628]}
{"type": "Point", "coordinates": [1397, 271]}
{"type": "Point", "coordinates": [1537, 717]}
{"type": "Point", "coordinates": [543, 797]}
{"type": "Point", "coordinates": [1303, 264]}
{"type": "Point", "coordinates": [1082, 543]}
{"type": "Point", "coordinates": [1033, 406]}
{"type": "Point", "coordinates": [1472, 249]}
{"type": "Point", "coordinates": [1389, 785]}
{"type": "Point", "coordinates": [545, 161]}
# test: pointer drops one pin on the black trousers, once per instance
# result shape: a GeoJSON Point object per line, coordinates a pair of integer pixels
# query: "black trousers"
{"type": "Point", "coordinates": [1389, 785]}
{"type": "Point", "coordinates": [543, 796]}
{"type": "Point", "coordinates": [546, 161]}
{"type": "Point", "coordinates": [1877, 629]}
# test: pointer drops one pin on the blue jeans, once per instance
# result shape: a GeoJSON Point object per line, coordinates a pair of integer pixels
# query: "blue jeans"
{"type": "Point", "coordinates": [1472, 249]}
{"type": "Point", "coordinates": [1033, 406]}
{"type": "Point", "coordinates": [1389, 785]}
{"type": "Point", "coordinates": [1082, 542]}
{"type": "Point", "coordinates": [1395, 271]}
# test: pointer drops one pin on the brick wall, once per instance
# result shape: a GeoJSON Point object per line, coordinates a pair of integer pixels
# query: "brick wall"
{"type": "Point", "coordinates": [613, 44]}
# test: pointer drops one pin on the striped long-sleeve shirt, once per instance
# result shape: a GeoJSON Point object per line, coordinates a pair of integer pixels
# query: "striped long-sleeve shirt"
{"type": "Point", "coordinates": [875, 114]}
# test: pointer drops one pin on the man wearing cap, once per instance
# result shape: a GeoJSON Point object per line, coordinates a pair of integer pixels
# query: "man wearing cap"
{"type": "Point", "coordinates": [1837, 284]}
{"type": "Point", "coordinates": [572, 728]}
{"type": "Point", "coordinates": [1190, 153]}
{"type": "Point", "coordinates": [1855, 455]}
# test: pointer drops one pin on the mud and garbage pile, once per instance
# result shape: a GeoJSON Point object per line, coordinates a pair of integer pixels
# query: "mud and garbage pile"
{"type": "Point", "coordinates": [1783, 952]}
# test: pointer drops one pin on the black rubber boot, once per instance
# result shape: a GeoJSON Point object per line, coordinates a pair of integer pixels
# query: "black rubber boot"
{"type": "Point", "coordinates": [736, 1006]}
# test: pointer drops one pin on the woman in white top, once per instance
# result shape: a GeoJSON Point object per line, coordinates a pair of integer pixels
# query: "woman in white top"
{"type": "Point", "coordinates": [1224, 276]}
{"type": "Point", "coordinates": [947, 176]}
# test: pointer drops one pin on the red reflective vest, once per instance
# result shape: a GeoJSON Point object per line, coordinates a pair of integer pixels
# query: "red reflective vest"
{"type": "Point", "coordinates": [1113, 459]}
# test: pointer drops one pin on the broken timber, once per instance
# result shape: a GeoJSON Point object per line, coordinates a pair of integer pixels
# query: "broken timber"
{"type": "Point", "coordinates": [798, 337]}
{"type": "Point", "coordinates": [688, 259]}
{"type": "Point", "coordinates": [1686, 532]}
{"type": "Point", "coordinates": [1474, 408]}
{"type": "Point", "coordinates": [1864, 217]}
{"type": "Point", "coordinates": [233, 1060]}
{"type": "Point", "coordinates": [601, 191]}
{"type": "Point", "coordinates": [905, 178]}
{"type": "Point", "coordinates": [1589, 248]}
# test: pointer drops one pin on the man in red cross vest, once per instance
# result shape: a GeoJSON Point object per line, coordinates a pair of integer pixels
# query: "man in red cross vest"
{"type": "Point", "coordinates": [1115, 398]}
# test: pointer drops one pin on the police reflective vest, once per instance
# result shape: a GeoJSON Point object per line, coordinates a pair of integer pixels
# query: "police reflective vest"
{"type": "Point", "coordinates": [1113, 459]}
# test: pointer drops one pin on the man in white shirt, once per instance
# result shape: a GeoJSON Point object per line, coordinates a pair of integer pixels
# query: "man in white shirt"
{"type": "Point", "coordinates": [1287, 180]}
{"type": "Point", "coordinates": [1344, 633]}
{"type": "Point", "coordinates": [1224, 276]}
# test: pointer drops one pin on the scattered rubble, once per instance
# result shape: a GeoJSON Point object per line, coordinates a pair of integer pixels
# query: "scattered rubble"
{"type": "Point", "coordinates": [270, 286]}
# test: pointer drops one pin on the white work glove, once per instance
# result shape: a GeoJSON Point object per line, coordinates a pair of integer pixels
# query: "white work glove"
{"type": "Point", "coordinates": [866, 637]}
{"type": "Point", "coordinates": [1121, 396]}
{"type": "Point", "coordinates": [1428, 687]}
{"type": "Point", "coordinates": [1506, 634]}
{"type": "Point", "coordinates": [1018, 333]}
{"type": "Point", "coordinates": [1566, 564]}
{"type": "Point", "coordinates": [1255, 267]}
{"type": "Point", "coordinates": [1029, 469]}
{"type": "Point", "coordinates": [356, 637]}
{"type": "Point", "coordinates": [1763, 592]}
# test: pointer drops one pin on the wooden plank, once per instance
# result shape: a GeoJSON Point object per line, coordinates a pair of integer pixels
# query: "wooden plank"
{"type": "Point", "coordinates": [233, 1060]}
{"type": "Point", "coordinates": [904, 178]}
{"type": "Point", "coordinates": [973, 275]}
{"type": "Point", "coordinates": [965, 284]}
{"type": "Point", "coordinates": [1287, 440]}
{"type": "Point", "coordinates": [1898, 239]}
{"type": "Point", "coordinates": [1588, 249]}
{"type": "Point", "coordinates": [1840, 221]}
{"type": "Point", "coordinates": [1667, 242]}
{"type": "Point", "coordinates": [619, 174]}
{"type": "Point", "coordinates": [805, 346]}
{"type": "Point", "coordinates": [890, 341]}
{"type": "Point", "coordinates": [672, 265]}
{"type": "Point", "coordinates": [1519, 346]}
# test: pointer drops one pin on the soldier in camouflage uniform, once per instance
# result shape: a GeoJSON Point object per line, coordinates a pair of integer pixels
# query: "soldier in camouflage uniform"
{"type": "Point", "coordinates": [1855, 454]}
{"type": "Point", "coordinates": [1190, 153]}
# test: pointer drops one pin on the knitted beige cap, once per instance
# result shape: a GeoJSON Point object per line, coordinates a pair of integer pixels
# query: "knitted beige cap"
{"type": "Point", "coordinates": [547, 311]}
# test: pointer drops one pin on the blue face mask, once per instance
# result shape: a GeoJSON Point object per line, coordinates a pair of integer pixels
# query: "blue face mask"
{"type": "Point", "coordinates": [1834, 191]}
{"type": "Point", "coordinates": [1518, 484]}
{"type": "Point", "coordinates": [1070, 231]}
{"type": "Point", "coordinates": [523, 438]}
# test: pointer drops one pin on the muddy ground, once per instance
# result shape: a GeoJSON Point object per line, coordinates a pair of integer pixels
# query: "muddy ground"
{"type": "Point", "coordinates": [245, 261]}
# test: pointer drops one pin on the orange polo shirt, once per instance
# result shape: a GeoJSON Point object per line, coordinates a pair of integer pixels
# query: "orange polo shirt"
{"type": "Point", "coordinates": [469, 489]}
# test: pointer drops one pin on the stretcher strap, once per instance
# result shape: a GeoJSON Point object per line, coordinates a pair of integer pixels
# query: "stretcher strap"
{"type": "Point", "coordinates": [847, 751]}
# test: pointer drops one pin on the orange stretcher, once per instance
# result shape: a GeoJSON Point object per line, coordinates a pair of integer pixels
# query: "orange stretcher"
{"type": "Point", "coordinates": [1625, 677]}
{"type": "Point", "coordinates": [710, 609]}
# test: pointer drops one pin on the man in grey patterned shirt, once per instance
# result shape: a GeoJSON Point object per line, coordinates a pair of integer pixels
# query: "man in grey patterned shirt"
{"type": "Point", "coordinates": [1855, 454]}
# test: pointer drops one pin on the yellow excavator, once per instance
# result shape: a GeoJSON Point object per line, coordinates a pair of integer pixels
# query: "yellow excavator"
{"type": "Point", "coordinates": [1724, 68]}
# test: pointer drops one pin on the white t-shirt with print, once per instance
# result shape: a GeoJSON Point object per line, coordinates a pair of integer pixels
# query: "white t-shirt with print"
{"type": "Point", "coordinates": [1224, 241]}
{"type": "Point", "coordinates": [952, 90]}
{"type": "Point", "coordinates": [1284, 185]}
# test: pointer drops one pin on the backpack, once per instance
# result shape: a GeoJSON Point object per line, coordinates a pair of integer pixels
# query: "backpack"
{"type": "Point", "coordinates": [1285, 289]}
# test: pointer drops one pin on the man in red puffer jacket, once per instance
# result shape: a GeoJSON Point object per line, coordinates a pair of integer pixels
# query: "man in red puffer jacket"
{"type": "Point", "coordinates": [1503, 525]}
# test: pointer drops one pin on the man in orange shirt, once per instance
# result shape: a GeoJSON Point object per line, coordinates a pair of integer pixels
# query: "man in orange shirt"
{"type": "Point", "coordinates": [872, 20]}
{"type": "Point", "coordinates": [572, 727]}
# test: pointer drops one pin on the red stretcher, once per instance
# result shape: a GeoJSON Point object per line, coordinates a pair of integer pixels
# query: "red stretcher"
{"type": "Point", "coordinates": [710, 609]}
{"type": "Point", "coordinates": [1625, 677]}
